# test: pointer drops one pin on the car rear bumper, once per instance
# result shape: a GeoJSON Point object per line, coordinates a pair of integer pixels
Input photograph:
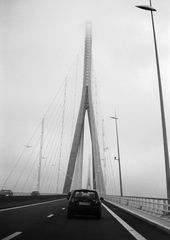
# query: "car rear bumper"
{"type": "Point", "coordinates": [84, 210]}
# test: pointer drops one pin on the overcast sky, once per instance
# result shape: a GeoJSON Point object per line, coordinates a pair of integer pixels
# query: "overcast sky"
{"type": "Point", "coordinates": [40, 39]}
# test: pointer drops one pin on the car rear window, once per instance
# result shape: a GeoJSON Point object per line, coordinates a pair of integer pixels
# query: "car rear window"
{"type": "Point", "coordinates": [85, 194]}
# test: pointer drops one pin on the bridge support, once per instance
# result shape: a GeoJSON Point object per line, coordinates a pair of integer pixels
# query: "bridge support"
{"type": "Point", "coordinates": [86, 105]}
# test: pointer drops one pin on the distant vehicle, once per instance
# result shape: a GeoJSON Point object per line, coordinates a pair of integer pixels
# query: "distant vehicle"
{"type": "Point", "coordinates": [84, 202]}
{"type": "Point", "coordinates": [5, 192]}
{"type": "Point", "coordinates": [35, 193]}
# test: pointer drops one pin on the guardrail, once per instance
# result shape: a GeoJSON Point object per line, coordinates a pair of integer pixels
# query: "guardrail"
{"type": "Point", "coordinates": [155, 206]}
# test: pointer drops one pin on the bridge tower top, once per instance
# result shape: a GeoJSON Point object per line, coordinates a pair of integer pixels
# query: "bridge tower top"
{"type": "Point", "coordinates": [85, 105]}
{"type": "Point", "coordinates": [87, 54]}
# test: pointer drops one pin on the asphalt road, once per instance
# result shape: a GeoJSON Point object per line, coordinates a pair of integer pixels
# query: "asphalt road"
{"type": "Point", "coordinates": [48, 221]}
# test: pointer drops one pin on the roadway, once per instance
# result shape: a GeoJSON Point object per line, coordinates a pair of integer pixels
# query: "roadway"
{"type": "Point", "coordinates": [48, 221]}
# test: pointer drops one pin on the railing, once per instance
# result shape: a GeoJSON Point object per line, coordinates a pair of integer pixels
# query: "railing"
{"type": "Point", "coordinates": [155, 206]}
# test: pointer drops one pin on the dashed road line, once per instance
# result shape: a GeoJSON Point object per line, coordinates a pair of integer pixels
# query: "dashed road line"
{"type": "Point", "coordinates": [132, 231]}
{"type": "Point", "coordinates": [11, 236]}
{"type": "Point", "coordinates": [51, 215]}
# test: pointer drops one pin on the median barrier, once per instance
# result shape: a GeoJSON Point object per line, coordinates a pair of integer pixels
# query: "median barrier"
{"type": "Point", "coordinates": [14, 201]}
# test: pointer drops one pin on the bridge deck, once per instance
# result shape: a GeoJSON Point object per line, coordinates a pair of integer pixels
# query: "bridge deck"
{"type": "Point", "coordinates": [48, 221]}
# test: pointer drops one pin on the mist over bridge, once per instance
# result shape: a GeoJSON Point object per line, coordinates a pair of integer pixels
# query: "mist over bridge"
{"type": "Point", "coordinates": [51, 146]}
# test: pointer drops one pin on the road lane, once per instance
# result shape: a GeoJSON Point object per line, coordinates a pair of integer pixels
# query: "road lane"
{"type": "Point", "coordinates": [29, 205]}
{"type": "Point", "coordinates": [59, 227]}
{"type": "Point", "coordinates": [49, 221]}
{"type": "Point", "coordinates": [131, 230]}
{"type": "Point", "coordinates": [147, 230]}
{"type": "Point", "coordinates": [23, 218]}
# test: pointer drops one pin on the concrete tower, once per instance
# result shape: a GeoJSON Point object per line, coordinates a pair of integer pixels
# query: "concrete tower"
{"type": "Point", "coordinates": [85, 105]}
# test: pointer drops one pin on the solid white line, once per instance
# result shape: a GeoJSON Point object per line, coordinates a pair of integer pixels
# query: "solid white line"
{"type": "Point", "coordinates": [145, 218]}
{"type": "Point", "coordinates": [11, 236]}
{"type": "Point", "coordinates": [51, 215]}
{"type": "Point", "coordinates": [29, 205]}
{"type": "Point", "coordinates": [137, 235]}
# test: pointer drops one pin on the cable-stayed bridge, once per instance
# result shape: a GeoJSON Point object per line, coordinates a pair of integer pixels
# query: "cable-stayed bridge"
{"type": "Point", "coordinates": [55, 153]}
{"type": "Point", "coordinates": [68, 150]}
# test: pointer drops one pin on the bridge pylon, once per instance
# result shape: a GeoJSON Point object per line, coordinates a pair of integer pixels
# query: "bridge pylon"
{"type": "Point", "coordinates": [86, 104]}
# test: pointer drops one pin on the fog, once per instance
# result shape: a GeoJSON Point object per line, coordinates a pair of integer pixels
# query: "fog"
{"type": "Point", "coordinates": [40, 39]}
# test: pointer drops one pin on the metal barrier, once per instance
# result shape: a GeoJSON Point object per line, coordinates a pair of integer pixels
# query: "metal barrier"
{"type": "Point", "coordinates": [155, 206]}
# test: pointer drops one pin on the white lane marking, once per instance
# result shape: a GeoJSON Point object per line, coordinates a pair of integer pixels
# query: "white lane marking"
{"type": "Point", "coordinates": [51, 215]}
{"type": "Point", "coordinates": [141, 216]}
{"type": "Point", "coordinates": [11, 236]}
{"type": "Point", "coordinates": [137, 235]}
{"type": "Point", "coordinates": [29, 205]}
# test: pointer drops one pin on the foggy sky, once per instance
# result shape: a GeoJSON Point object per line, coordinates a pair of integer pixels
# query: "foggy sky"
{"type": "Point", "coordinates": [39, 39]}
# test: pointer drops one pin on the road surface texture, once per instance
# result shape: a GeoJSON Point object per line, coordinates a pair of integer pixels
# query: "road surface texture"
{"type": "Point", "coordinates": [48, 221]}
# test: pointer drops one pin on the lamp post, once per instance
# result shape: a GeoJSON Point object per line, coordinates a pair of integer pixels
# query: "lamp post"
{"type": "Point", "coordinates": [165, 142]}
{"type": "Point", "coordinates": [118, 158]}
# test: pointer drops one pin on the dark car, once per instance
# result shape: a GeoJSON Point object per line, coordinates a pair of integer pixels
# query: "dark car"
{"type": "Point", "coordinates": [84, 202]}
{"type": "Point", "coordinates": [35, 193]}
{"type": "Point", "coordinates": [5, 192]}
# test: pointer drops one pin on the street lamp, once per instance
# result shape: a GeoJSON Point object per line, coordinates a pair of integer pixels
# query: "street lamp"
{"type": "Point", "coordinates": [118, 152]}
{"type": "Point", "coordinates": [165, 142]}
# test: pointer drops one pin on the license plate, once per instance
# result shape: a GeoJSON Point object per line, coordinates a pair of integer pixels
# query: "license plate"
{"type": "Point", "coordinates": [84, 203]}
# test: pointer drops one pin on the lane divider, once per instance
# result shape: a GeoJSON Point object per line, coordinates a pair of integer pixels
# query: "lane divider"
{"type": "Point", "coordinates": [30, 205]}
{"type": "Point", "coordinates": [11, 236]}
{"type": "Point", "coordinates": [131, 230]}
{"type": "Point", "coordinates": [51, 215]}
